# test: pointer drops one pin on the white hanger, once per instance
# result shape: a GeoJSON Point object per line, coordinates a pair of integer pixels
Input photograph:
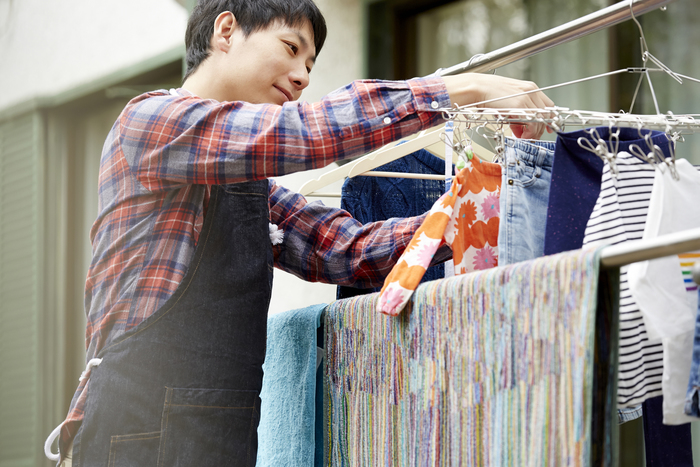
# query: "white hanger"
{"type": "Point", "coordinates": [381, 156]}
{"type": "Point", "coordinates": [396, 150]}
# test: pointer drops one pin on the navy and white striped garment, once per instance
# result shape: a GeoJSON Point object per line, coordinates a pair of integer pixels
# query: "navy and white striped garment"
{"type": "Point", "coordinates": [619, 216]}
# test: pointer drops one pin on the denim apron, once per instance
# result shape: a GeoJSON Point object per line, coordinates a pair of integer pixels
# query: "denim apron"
{"type": "Point", "coordinates": [181, 388]}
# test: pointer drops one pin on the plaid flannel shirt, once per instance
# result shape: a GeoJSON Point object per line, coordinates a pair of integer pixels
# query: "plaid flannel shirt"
{"type": "Point", "coordinates": [165, 151]}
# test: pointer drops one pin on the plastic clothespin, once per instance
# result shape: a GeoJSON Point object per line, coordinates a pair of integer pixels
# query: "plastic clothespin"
{"type": "Point", "coordinates": [469, 153]}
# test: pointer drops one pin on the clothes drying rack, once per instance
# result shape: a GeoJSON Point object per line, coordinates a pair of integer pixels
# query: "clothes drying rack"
{"type": "Point", "coordinates": [614, 255]}
{"type": "Point", "coordinates": [599, 20]}
{"type": "Point", "coordinates": [642, 250]}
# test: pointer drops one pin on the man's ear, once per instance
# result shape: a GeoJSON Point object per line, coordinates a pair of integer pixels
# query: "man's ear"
{"type": "Point", "coordinates": [224, 27]}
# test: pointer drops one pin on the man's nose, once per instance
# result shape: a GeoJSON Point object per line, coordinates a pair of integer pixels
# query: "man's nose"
{"type": "Point", "coordinates": [299, 78]}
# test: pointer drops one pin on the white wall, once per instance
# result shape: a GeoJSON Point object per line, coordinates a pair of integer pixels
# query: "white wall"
{"type": "Point", "coordinates": [340, 60]}
{"type": "Point", "coordinates": [48, 47]}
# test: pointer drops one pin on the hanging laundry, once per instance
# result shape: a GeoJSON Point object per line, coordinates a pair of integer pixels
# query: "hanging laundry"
{"type": "Point", "coordinates": [286, 432]}
{"type": "Point", "coordinates": [618, 217]}
{"type": "Point", "coordinates": [692, 398]}
{"type": "Point", "coordinates": [370, 199]}
{"type": "Point", "coordinates": [466, 218]}
{"type": "Point", "coordinates": [596, 215]}
{"type": "Point", "coordinates": [573, 192]}
{"type": "Point", "coordinates": [658, 285]}
{"type": "Point", "coordinates": [527, 174]}
{"type": "Point", "coordinates": [663, 444]}
{"type": "Point", "coordinates": [493, 368]}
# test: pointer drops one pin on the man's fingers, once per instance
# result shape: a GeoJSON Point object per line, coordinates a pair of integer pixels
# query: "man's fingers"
{"type": "Point", "coordinates": [532, 131]}
{"type": "Point", "coordinates": [499, 92]}
{"type": "Point", "coordinates": [517, 129]}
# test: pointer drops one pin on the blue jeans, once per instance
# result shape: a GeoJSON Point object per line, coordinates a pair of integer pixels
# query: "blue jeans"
{"type": "Point", "coordinates": [523, 202]}
{"type": "Point", "coordinates": [692, 404]}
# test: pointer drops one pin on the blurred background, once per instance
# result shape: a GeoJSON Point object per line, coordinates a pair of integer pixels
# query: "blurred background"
{"type": "Point", "coordinates": [68, 68]}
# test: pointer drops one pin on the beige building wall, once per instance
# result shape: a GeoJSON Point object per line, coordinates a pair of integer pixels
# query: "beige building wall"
{"type": "Point", "coordinates": [48, 48]}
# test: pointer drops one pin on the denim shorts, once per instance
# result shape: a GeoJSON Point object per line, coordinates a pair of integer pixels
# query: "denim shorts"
{"type": "Point", "coordinates": [527, 174]}
{"type": "Point", "coordinates": [629, 413]}
{"type": "Point", "coordinates": [692, 404]}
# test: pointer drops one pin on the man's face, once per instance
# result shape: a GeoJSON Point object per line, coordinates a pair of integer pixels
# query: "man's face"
{"type": "Point", "coordinates": [270, 66]}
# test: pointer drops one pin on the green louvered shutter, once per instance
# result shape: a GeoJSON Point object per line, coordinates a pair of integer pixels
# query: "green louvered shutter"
{"type": "Point", "coordinates": [20, 443]}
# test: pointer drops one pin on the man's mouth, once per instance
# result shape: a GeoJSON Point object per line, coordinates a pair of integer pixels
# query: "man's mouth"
{"type": "Point", "coordinates": [287, 95]}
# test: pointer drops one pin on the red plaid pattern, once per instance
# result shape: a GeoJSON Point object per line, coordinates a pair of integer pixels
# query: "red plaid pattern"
{"type": "Point", "coordinates": [166, 150]}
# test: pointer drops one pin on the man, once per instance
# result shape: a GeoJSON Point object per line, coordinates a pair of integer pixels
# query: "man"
{"type": "Point", "coordinates": [179, 285]}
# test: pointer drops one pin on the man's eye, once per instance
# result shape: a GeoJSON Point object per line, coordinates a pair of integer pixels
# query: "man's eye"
{"type": "Point", "coordinates": [293, 47]}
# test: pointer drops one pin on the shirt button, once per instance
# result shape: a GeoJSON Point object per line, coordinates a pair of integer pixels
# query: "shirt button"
{"type": "Point", "coordinates": [510, 182]}
{"type": "Point", "coordinates": [387, 120]}
{"type": "Point", "coordinates": [434, 105]}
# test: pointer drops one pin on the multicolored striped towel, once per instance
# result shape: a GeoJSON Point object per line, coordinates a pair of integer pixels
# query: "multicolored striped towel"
{"type": "Point", "coordinates": [492, 368]}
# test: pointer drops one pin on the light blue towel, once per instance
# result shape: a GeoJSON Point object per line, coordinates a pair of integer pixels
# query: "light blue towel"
{"type": "Point", "coordinates": [287, 411]}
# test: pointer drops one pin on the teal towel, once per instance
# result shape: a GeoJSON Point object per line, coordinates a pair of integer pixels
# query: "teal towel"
{"type": "Point", "coordinates": [287, 412]}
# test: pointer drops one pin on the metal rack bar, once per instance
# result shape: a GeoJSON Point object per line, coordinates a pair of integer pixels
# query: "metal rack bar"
{"type": "Point", "coordinates": [643, 250]}
{"type": "Point", "coordinates": [576, 29]}
{"type": "Point", "coordinates": [560, 117]}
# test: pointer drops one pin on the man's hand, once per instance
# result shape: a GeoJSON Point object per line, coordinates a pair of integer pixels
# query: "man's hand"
{"type": "Point", "coordinates": [470, 88]}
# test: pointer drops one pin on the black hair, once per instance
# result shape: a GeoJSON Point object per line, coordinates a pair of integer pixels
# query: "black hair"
{"type": "Point", "coordinates": [251, 16]}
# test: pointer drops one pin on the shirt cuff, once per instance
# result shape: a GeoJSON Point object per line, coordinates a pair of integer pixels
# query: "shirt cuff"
{"type": "Point", "coordinates": [430, 95]}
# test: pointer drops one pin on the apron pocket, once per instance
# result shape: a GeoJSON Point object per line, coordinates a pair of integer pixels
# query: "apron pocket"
{"type": "Point", "coordinates": [135, 449]}
{"type": "Point", "coordinates": [206, 427]}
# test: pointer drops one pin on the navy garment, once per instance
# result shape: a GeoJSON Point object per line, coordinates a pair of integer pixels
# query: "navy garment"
{"type": "Point", "coordinates": [576, 176]}
{"type": "Point", "coordinates": [573, 192]}
{"type": "Point", "coordinates": [182, 388]}
{"type": "Point", "coordinates": [665, 445]}
{"type": "Point", "coordinates": [370, 199]}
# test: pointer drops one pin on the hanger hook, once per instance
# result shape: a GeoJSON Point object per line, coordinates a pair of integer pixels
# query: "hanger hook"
{"type": "Point", "coordinates": [642, 39]}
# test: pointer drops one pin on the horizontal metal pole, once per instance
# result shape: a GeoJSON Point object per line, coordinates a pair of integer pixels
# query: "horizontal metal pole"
{"type": "Point", "coordinates": [643, 250]}
{"type": "Point", "coordinates": [576, 29]}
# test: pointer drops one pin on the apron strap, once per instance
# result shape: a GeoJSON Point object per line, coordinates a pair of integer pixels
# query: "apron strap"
{"type": "Point", "coordinates": [54, 434]}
